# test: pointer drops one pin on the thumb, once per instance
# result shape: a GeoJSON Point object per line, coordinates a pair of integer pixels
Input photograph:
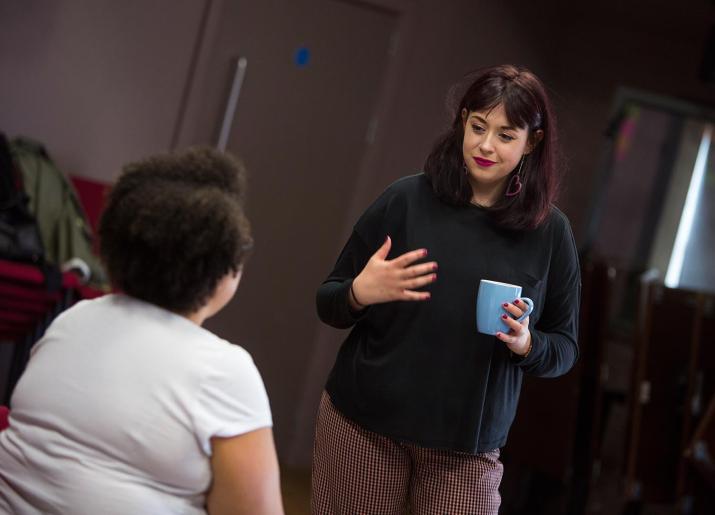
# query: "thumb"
{"type": "Point", "coordinates": [384, 250]}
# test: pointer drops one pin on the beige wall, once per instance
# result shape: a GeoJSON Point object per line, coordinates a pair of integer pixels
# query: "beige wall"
{"type": "Point", "coordinates": [100, 83]}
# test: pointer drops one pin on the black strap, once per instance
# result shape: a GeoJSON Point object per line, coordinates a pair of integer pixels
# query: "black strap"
{"type": "Point", "coordinates": [8, 184]}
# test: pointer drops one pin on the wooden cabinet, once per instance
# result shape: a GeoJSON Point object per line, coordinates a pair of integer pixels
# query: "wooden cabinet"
{"type": "Point", "coordinates": [554, 442]}
{"type": "Point", "coordinates": [673, 379]}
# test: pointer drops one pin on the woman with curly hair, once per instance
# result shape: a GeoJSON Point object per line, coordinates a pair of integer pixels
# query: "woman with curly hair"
{"type": "Point", "coordinates": [127, 404]}
{"type": "Point", "coordinates": [419, 402]}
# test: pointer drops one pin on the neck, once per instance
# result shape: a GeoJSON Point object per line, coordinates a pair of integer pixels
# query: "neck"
{"type": "Point", "coordinates": [198, 317]}
{"type": "Point", "coordinates": [486, 195]}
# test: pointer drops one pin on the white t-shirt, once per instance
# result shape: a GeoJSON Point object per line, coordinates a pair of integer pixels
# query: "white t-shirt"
{"type": "Point", "coordinates": [115, 412]}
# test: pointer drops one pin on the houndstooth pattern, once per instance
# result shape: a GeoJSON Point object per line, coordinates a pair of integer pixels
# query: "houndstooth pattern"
{"type": "Point", "coordinates": [358, 472]}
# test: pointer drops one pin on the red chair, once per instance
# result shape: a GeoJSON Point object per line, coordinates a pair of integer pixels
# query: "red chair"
{"type": "Point", "coordinates": [27, 306]}
{"type": "Point", "coordinates": [92, 195]}
{"type": "Point", "coordinates": [24, 298]}
{"type": "Point", "coordinates": [4, 417]}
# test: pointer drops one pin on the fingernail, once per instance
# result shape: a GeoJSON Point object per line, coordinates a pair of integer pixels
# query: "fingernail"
{"type": "Point", "coordinates": [434, 267]}
{"type": "Point", "coordinates": [434, 277]}
{"type": "Point", "coordinates": [503, 317]}
{"type": "Point", "coordinates": [506, 305]}
{"type": "Point", "coordinates": [429, 296]}
{"type": "Point", "coordinates": [498, 334]}
{"type": "Point", "coordinates": [517, 301]}
{"type": "Point", "coordinates": [424, 252]}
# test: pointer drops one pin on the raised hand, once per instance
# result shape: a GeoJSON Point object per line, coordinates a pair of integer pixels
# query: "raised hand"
{"type": "Point", "coordinates": [384, 280]}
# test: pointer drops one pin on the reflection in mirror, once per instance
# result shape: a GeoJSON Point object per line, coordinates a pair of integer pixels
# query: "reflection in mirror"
{"type": "Point", "coordinates": [654, 206]}
{"type": "Point", "coordinates": [693, 246]}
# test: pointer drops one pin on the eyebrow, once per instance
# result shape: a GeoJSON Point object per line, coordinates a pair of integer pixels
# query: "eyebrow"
{"type": "Point", "coordinates": [503, 127]}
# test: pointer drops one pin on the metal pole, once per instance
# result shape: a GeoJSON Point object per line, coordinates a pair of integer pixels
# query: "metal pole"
{"type": "Point", "coordinates": [228, 115]}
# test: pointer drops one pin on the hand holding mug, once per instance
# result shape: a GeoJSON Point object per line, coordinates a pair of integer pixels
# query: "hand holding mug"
{"type": "Point", "coordinates": [518, 339]}
{"type": "Point", "coordinates": [386, 280]}
{"type": "Point", "coordinates": [504, 313]}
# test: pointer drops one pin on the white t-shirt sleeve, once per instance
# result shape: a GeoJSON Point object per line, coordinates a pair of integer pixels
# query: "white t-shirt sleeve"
{"type": "Point", "coordinates": [232, 399]}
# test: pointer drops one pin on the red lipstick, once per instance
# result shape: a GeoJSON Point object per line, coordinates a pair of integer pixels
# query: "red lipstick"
{"type": "Point", "coordinates": [484, 162]}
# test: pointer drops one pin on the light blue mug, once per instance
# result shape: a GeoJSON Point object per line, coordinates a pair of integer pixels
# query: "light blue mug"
{"type": "Point", "coordinates": [490, 305]}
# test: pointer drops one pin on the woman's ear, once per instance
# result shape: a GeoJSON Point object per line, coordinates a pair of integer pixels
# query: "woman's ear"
{"type": "Point", "coordinates": [465, 114]}
{"type": "Point", "coordinates": [534, 141]}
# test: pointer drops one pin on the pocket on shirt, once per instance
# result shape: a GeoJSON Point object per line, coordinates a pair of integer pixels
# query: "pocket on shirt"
{"type": "Point", "coordinates": [526, 280]}
{"type": "Point", "coordinates": [531, 287]}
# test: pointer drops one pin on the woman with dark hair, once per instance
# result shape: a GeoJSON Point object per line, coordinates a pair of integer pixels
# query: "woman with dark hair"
{"type": "Point", "coordinates": [127, 404]}
{"type": "Point", "coordinates": [418, 402]}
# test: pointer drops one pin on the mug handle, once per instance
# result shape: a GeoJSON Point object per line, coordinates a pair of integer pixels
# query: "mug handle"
{"type": "Point", "coordinates": [529, 309]}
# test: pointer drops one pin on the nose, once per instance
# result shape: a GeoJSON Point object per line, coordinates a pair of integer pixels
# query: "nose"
{"type": "Point", "coordinates": [486, 145]}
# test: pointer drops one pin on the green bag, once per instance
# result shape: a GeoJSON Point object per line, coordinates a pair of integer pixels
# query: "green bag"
{"type": "Point", "coordinates": [64, 229]}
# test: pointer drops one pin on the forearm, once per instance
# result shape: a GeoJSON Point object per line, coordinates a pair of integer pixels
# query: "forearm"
{"type": "Point", "coordinates": [554, 338]}
{"type": "Point", "coordinates": [333, 296]}
{"type": "Point", "coordinates": [333, 301]}
{"type": "Point", "coordinates": [264, 499]}
{"type": "Point", "coordinates": [552, 354]}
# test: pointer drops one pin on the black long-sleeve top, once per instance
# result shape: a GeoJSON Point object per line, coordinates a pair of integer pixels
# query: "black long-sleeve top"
{"type": "Point", "coordinates": [419, 371]}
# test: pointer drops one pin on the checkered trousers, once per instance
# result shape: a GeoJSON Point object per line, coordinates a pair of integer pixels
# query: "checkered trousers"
{"type": "Point", "coordinates": [358, 472]}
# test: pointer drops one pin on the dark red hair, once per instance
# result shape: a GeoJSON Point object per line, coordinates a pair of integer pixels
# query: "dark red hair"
{"type": "Point", "coordinates": [526, 105]}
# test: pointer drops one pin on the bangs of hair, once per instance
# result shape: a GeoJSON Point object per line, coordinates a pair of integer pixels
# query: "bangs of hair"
{"type": "Point", "coordinates": [520, 106]}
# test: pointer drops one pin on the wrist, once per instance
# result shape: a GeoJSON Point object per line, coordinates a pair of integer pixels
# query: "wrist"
{"type": "Point", "coordinates": [353, 300]}
{"type": "Point", "coordinates": [528, 349]}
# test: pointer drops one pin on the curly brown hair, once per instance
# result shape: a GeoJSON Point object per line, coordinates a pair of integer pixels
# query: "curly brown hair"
{"type": "Point", "coordinates": [174, 225]}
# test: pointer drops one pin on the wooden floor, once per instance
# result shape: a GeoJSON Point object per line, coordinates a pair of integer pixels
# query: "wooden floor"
{"type": "Point", "coordinates": [295, 484]}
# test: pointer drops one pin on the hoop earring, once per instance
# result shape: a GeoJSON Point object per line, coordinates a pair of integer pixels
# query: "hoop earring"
{"type": "Point", "coordinates": [515, 184]}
